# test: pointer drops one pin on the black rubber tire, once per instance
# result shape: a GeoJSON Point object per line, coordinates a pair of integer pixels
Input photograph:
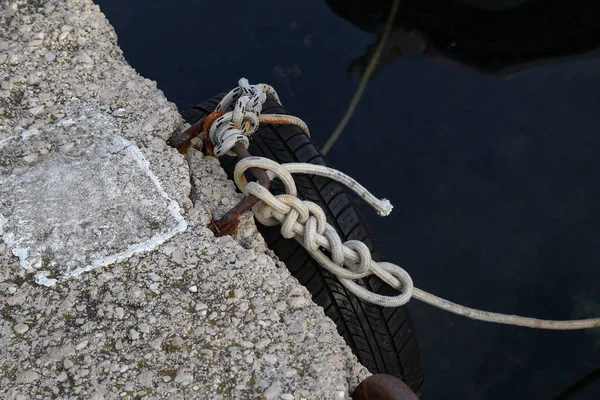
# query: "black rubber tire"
{"type": "Point", "coordinates": [382, 338]}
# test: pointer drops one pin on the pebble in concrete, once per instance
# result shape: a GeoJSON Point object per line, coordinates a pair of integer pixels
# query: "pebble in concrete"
{"type": "Point", "coordinates": [21, 328]}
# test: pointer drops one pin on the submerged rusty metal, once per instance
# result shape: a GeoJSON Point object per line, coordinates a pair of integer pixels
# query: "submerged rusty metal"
{"type": "Point", "coordinates": [182, 142]}
{"type": "Point", "coordinates": [383, 387]}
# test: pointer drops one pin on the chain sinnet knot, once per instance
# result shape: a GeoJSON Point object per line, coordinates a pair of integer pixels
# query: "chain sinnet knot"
{"type": "Point", "coordinates": [306, 222]}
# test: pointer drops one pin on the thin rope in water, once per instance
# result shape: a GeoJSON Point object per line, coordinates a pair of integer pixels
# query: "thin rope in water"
{"type": "Point", "coordinates": [306, 222]}
{"type": "Point", "coordinates": [364, 80]}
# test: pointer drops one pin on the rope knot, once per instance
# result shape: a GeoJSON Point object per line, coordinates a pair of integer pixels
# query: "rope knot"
{"type": "Point", "coordinates": [233, 127]}
{"type": "Point", "coordinates": [298, 214]}
{"type": "Point", "coordinates": [306, 222]}
{"type": "Point", "coordinates": [363, 264]}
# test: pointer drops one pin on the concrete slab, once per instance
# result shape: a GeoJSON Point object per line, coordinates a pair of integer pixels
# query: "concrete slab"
{"type": "Point", "coordinates": [192, 316]}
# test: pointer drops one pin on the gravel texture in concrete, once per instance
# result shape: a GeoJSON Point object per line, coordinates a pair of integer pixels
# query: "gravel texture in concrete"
{"type": "Point", "coordinates": [111, 284]}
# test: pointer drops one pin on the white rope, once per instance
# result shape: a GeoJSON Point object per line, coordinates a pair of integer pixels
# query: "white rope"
{"type": "Point", "coordinates": [383, 206]}
{"type": "Point", "coordinates": [235, 126]}
{"type": "Point", "coordinates": [306, 221]}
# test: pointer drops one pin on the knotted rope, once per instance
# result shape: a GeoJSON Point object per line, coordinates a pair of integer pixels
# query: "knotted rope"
{"type": "Point", "coordinates": [235, 126]}
{"type": "Point", "coordinates": [306, 222]}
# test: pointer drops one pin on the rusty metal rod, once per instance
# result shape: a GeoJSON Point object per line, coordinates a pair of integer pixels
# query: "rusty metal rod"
{"type": "Point", "coordinates": [383, 387]}
{"type": "Point", "coordinates": [230, 220]}
{"type": "Point", "coordinates": [182, 140]}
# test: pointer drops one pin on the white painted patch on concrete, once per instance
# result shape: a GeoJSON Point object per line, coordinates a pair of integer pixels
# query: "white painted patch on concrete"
{"type": "Point", "coordinates": [132, 150]}
{"type": "Point", "coordinates": [74, 201]}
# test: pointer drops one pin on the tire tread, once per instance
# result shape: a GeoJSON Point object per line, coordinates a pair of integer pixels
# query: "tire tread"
{"type": "Point", "coordinates": [382, 338]}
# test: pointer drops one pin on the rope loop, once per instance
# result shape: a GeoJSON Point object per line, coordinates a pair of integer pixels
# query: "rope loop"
{"type": "Point", "coordinates": [306, 222]}
{"type": "Point", "coordinates": [364, 255]}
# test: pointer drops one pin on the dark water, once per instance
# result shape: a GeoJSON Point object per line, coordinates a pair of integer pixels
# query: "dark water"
{"type": "Point", "coordinates": [494, 178]}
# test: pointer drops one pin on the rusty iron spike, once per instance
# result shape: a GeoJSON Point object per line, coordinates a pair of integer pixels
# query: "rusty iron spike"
{"type": "Point", "coordinates": [182, 140]}
{"type": "Point", "coordinates": [230, 220]}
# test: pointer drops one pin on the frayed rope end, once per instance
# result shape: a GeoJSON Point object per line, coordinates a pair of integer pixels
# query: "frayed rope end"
{"type": "Point", "coordinates": [384, 208]}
